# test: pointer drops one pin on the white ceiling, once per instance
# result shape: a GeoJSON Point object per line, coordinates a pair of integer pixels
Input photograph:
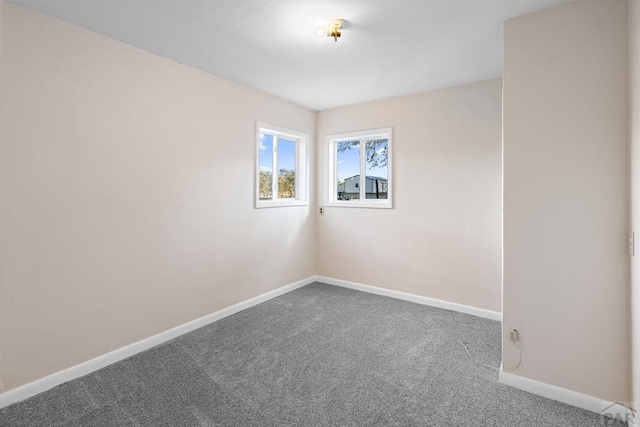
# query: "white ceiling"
{"type": "Point", "coordinates": [390, 48]}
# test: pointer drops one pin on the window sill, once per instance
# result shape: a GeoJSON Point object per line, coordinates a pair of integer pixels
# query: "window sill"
{"type": "Point", "coordinates": [280, 203]}
{"type": "Point", "coordinates": [367, 204]}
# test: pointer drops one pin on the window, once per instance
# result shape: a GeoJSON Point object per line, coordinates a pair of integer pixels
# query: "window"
{"type": "Point", "coordinates": [281, 174]}
{"type": "Point", "coordinates": [353, 156]}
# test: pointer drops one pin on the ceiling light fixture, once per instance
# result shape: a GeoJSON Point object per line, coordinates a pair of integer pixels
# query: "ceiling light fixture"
{"type": "Point", "coordinates": [332, 29]}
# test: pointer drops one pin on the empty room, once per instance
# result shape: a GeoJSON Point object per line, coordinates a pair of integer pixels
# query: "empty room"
{"type": "Point", "coordinates": [319, 213]}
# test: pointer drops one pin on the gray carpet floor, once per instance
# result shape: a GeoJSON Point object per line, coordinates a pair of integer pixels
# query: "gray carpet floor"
{"type": "Point", "coordinates": [317, 356]}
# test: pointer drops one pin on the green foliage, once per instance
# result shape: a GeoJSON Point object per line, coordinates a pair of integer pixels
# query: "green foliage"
{"type": "Point", "coordinates": [287, 183]}
{"type": "Point", "coordinates": [377, 151]}
{"type": "Point", "coordinates": [265, 185]}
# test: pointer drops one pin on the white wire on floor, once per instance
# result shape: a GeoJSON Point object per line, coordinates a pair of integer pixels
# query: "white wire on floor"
{"type": "Point", "coordinates": [489, 366]}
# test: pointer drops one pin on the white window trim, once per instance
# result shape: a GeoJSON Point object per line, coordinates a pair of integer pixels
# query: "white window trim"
{"type": "Point", "coordinates": [302, 167]}
{"type": "Point", "coordinates": [332, 169]}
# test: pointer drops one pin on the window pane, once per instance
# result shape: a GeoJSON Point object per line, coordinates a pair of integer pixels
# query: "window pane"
{"type": "Point", "coordinates": [348, 168]}
{"type": "Point", "coordinates": [286, 169]}
{"type": "Point", "coordinates": [377, 153]}
{"type": "Point", "coordinates": [266, 166]}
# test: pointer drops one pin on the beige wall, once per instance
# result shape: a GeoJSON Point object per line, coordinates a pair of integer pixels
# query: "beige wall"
{"type": "Point", "coordinates": [565, 197]}
{"type": "Point", "coordinates": [3, 211]}
{"type": "Point", "coordinates": [442, 239]}
{"type": "Point", "coordinates": [127, 196]}
{"type": "Point", "coordinates": [634, 128]}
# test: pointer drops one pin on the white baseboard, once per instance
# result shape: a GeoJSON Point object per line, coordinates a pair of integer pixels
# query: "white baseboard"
{"type": "Point", "coordinates": [31, 389]}
{"type": "Point", "coordinates": [480, 312]}
{"type": "Point", "coordinates": [570, 397]}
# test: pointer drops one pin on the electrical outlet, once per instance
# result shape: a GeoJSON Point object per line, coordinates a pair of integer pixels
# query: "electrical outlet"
{"type": "Point", "coordinates": [321, 210]}
{"type": "Point", "coordinates": [515, 335]}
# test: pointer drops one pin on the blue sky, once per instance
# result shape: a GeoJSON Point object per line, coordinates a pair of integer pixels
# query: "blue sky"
{"type": "Point", "coordinates": [286, 153]}
{"type": "Point", "coordinates": [348, 161]}
{"type": "Point", "coordinates": [349, 165]}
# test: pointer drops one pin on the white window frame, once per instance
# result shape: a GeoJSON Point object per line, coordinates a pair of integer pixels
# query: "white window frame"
{"type": "Point", "coordinates": [302, 166]}
{"type": "Point", "coordinates": [332, 169]}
